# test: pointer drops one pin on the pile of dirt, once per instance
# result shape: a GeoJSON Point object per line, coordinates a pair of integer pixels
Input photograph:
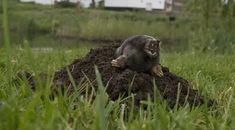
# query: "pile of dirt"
{"type": "Point", "coordinates": [118, 81]}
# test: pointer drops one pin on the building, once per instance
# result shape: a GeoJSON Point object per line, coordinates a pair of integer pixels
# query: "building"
{"type": "Point", "coordinates": [148, 5]}
{"type": "Point", "coordinates": [44, 2]}
{"type": "Point", "coordinates": [136, 4]}
{"type": "Point", "coordinates": [84, 3]}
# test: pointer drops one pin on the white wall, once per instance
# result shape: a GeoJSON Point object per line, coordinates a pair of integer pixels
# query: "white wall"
{"type": "Point", "coordinates": [145, 4]}
{"type": "Point", "coordinates": [155, 4]}
{"type": "Point", "coordinates": [44, 2]}
{"type": "Point", "coordinates": [85, 3]}
{"type": "Point", "coordinates": [27, 0]}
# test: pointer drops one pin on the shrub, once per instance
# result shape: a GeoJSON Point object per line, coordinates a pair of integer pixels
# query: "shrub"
{"type": "Point", "coordinates": [65, 4]}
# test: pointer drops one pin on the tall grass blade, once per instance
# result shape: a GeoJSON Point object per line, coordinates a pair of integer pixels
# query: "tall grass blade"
{"type": "Point", "coordinates": [101, 100]}
{"type": "Point", "coordinates": [5, 24]}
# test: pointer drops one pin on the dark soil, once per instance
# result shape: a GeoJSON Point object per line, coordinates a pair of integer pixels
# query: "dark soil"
{"type": "Point", "coordinates": [118, 81]}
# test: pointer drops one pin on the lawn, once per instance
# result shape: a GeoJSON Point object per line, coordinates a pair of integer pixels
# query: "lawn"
{"type": "Point", "coordinates": [21, 108]}
{"type": "Point", "coordinates": [206, 59]}
{"type": "Point", "coordinates": [30, 21]}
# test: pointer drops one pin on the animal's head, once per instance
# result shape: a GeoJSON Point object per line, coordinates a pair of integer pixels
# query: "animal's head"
{"type": "Point", "coordinates": [152, 47]}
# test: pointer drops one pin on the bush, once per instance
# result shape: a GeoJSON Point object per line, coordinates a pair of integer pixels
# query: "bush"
{"type": "Point", "coordinates": [212, 26]}
{"type": "Point", "coordinates": [65, 4]}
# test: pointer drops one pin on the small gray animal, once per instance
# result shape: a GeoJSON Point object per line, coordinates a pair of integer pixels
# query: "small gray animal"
{"type": "Point", "coordinates": [140, 53]}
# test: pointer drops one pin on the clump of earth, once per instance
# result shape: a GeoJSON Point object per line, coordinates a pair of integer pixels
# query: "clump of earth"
{"type": "Point", "coordinates": [120, 83]}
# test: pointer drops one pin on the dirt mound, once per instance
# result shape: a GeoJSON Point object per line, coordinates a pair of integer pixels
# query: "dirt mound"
{"type": "Point", "coordinates": [118, 81]}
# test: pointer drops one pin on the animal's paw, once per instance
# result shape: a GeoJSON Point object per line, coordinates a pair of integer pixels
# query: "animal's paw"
{"type": "Point", "coordinates": [119, 62]}
{"type": "Point", "coordinates": [157, 70]}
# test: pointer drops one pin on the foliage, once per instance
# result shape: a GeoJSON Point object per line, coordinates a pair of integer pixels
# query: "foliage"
{"type": "Point", "coordinates": [214, 20]}
{"type": "Point", "coordinates": [65, 4]}
{"type": "Point", "coordinates": [22, 108]}
{"type": "Point", "coordinates": [200, 26]}
{"type": "Point", "coordinates": [211, 73]}
{"type": "Point", "coordinates": [5, 26]}
{"type": "Point", "coordinates": [84, 23]}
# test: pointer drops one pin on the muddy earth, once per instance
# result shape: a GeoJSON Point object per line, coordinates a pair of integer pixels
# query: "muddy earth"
{"type": "Point", "coordinates": [120, 83]}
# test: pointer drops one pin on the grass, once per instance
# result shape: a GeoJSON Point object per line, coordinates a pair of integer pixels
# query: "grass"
{"type": "Point", "coordinates": [212, 73]}
{"type": "Point", "coordinates": [69, 25]}
{"type": "Point", "coordinates": [28, 21]}
{"type": "Point", "coordinates": [21, 108]}
{"type": "Point", "coordinates": [113, 29]}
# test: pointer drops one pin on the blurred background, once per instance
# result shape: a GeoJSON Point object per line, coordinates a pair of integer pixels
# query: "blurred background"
{"type": "Point", "coordinates": [195, 25]}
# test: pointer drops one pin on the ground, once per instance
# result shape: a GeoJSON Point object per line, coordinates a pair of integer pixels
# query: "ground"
{"type": "Point", "coordinates": [121, 83]}
{"type": "Point", "coordinates": [20, 105]}
{"type": "Point", "coordinates": [206, 62]}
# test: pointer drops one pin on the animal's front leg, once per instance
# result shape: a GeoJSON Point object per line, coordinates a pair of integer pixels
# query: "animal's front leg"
{"type": "Point", "coordinates": [157, 70]}
{"type": "Point", "coordinates": [119, 62]}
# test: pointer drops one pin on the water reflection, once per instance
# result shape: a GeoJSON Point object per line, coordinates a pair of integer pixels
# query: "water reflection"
{"type": "Point", "coordinates": [50, 42]}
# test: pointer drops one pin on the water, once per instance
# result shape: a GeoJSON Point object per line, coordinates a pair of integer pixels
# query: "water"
{"type": "Point", "coordinates": [50, 41]}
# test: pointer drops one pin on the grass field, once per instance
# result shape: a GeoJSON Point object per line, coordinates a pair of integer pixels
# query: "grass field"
{"type": "Point", "coordinates": [21, 108]}
{"type": "Point", "coordinates": [30, 21]}
{"type": "Point", "coordinates": [45, 24]}
{"type": "Point", "coordinates": [212, 73]}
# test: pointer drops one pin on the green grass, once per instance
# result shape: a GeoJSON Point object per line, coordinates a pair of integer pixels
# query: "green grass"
{"type": "Point", "coordinates": [212, 73]}
{"type": "Point", "coordinates": [21, 108]}
{"type": "Point", "coordinates": [29, 21]}
{"type": "Point", "coordinates": [36, 22]}
{"type": "Point", "coordinates": [113, 29]}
